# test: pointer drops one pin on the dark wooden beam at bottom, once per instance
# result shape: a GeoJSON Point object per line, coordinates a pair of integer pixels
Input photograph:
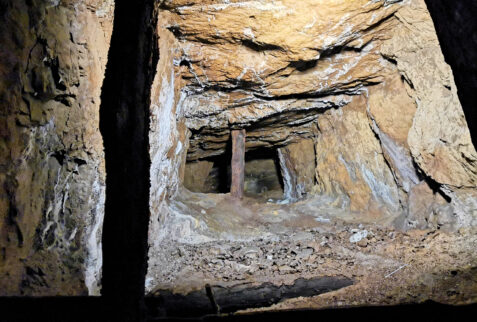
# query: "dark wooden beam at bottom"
{"type": "Point", "coordinates": [219, 299]}
{"type": "Point", "coordinates": [238, 163]}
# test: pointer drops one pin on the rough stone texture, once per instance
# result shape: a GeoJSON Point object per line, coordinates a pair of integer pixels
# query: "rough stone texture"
{"type": "Point", "coordinates": [428, 209]}
{"type": "Point", "coordinates": [301, 158]}
{"type": "Point", "coordinates": [51, 156]}
{"type": "Point", "coordinates": [363, 83]}
{"type": "Point", "coordinates": [196, 174]}
{"type": "Point", "coordinates": [242, 66]}
{"type": "Point", "coordinates": [291, 189]}
{"type": "Point", "coordinates": [454, 22]}
{"type": "Point", "coordinates": [350, 161]}
{"type": "Point", "coordinates": [168, 139]}
{"type": "Point", "coordinates": [439, 138]}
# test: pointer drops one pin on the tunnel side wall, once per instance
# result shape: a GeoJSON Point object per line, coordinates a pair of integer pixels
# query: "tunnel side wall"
{"type": "Point", "coordinates": [52, 65]}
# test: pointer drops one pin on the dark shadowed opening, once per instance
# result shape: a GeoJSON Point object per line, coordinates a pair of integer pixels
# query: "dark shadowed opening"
{"type": "Point", "coordinates": [213, 175]}
{"type": "Point", "coordinates": [456, 24]}
{"type": "Point", "coordinates": [262, 174]}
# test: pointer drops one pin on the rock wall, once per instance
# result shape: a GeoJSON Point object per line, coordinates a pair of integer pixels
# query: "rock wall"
{"type": "Point", "coordinates": [168, 137]}
{"type": "Point", "coordinates": [365, 80]}
{"type": "Point", "coordinates": [350, 161]}
{"type": "Point", "coordinates": [195, 175]}
{"type": "Point", "coordinates": [298, 162]}
{"type": "Point", "coordinates": [52, 65]}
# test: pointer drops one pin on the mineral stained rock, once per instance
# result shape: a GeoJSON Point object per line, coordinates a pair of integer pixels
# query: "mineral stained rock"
{"type": "Point", "coordinates": [365, 81]}
{"type": "Point", "coordinates": [362, 110]}
{"type": "Point", "coordinates": [356, 93]}
{"type": "Point", "coordinates": [52, 65]}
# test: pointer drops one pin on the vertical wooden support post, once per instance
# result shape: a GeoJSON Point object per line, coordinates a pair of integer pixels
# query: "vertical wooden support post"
{"type": "Point", "coordinates": [238, 163]}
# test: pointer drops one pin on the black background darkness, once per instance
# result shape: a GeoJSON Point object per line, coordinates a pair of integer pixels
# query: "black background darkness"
{"type": "Point", "coordinates": [456, 25]}
{"type": "Point", "coordinates": [124, 125]}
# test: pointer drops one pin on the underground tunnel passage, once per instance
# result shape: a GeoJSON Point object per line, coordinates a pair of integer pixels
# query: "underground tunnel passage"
{"type": "Point", "coordinates": [281, 155]}
{"type": "Point", "coordinates": [262, 177]}
{"type": "Point", "coordinates": [303, 158]}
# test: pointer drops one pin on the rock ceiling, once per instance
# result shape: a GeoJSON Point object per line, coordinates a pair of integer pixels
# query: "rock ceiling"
{"type": "Point", "coordinates": [273, 67]}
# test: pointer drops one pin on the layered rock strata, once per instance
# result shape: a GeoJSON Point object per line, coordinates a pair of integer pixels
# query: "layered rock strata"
{"type": "Point", "coordinates": [365, 81]}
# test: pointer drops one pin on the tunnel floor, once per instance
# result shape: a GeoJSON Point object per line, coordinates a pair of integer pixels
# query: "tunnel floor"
{"type": "Point", "coordinates": [215, 241]}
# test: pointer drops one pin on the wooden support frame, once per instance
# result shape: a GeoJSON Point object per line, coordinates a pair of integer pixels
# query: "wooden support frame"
{"type": "Point", "coordinates": [238, 163]}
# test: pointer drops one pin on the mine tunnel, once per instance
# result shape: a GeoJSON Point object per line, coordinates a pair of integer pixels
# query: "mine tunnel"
{"type": "Point", "coordinates": [211, 159]}
{"type": "Point", "coordinates": [270, 174]}
{"type": "Point", "coordinates": [262, 177]}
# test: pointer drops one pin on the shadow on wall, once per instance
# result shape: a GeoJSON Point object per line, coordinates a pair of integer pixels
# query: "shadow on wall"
{"type": "Point", "coordinates": [456, 28]}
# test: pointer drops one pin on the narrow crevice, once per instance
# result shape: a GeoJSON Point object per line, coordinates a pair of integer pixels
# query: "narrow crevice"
{"type": "Point", "coordinates": [389, 59]}
{"type": "Point", "coordinates": [299, 96]}
{"type": "Point", "coordinates": [258, 46]}
{"type": "Point", "coordinates": [434, 185]}
{"type": "Point", "coordinates": [303, 65]}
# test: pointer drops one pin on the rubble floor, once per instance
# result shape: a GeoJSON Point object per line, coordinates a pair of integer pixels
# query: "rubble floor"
{"type": "Point", "coordinates": [255, 241]}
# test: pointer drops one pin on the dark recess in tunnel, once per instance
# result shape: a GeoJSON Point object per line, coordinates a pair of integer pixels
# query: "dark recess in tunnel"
{"type": "Point", "coordinates": [262, 179]}
{"type": "Point", "coordinates": [218, 180]}
{"type": "Point", "coordinates": [124, 125]}
{"type": "Point", "coordinates": [262, 173]}
{"type": "Point", "coordinates": [456, 26]}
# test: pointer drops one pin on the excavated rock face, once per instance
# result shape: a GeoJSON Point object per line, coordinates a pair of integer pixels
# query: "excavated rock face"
{"type": "Point", "coordinates": [364, 80]}
{"type": "Point", "coordinates": [53, 60]}
{"type": "Point", "coordinates": [357, 102]}
{"type": "Point", "coordinates": [354, 97]}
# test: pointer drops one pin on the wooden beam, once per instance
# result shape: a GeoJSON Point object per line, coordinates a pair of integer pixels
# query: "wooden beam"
{"type": "Point", "coordinates": [238, 163]}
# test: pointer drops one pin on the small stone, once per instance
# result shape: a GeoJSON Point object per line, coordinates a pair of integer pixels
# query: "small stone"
{"type": "Point", "coordinates": [311, 259]}
{"type": "Point", "coordinates": [285, 269]}
{"type": "Point", "coordinates": [301, 236]}
{"type": "Point", "coordinates": [294, 264]}
{"type": "Point", "coordinates": [250, 252]}
{"type": "Point", "coordinates": [215, 251]}
{"type": "Point", "coordinates": [362, 243]}
{"type": "Point", "coordinates": [305, 253]}
{"type": "Point", "coordinates": [359, 235]}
